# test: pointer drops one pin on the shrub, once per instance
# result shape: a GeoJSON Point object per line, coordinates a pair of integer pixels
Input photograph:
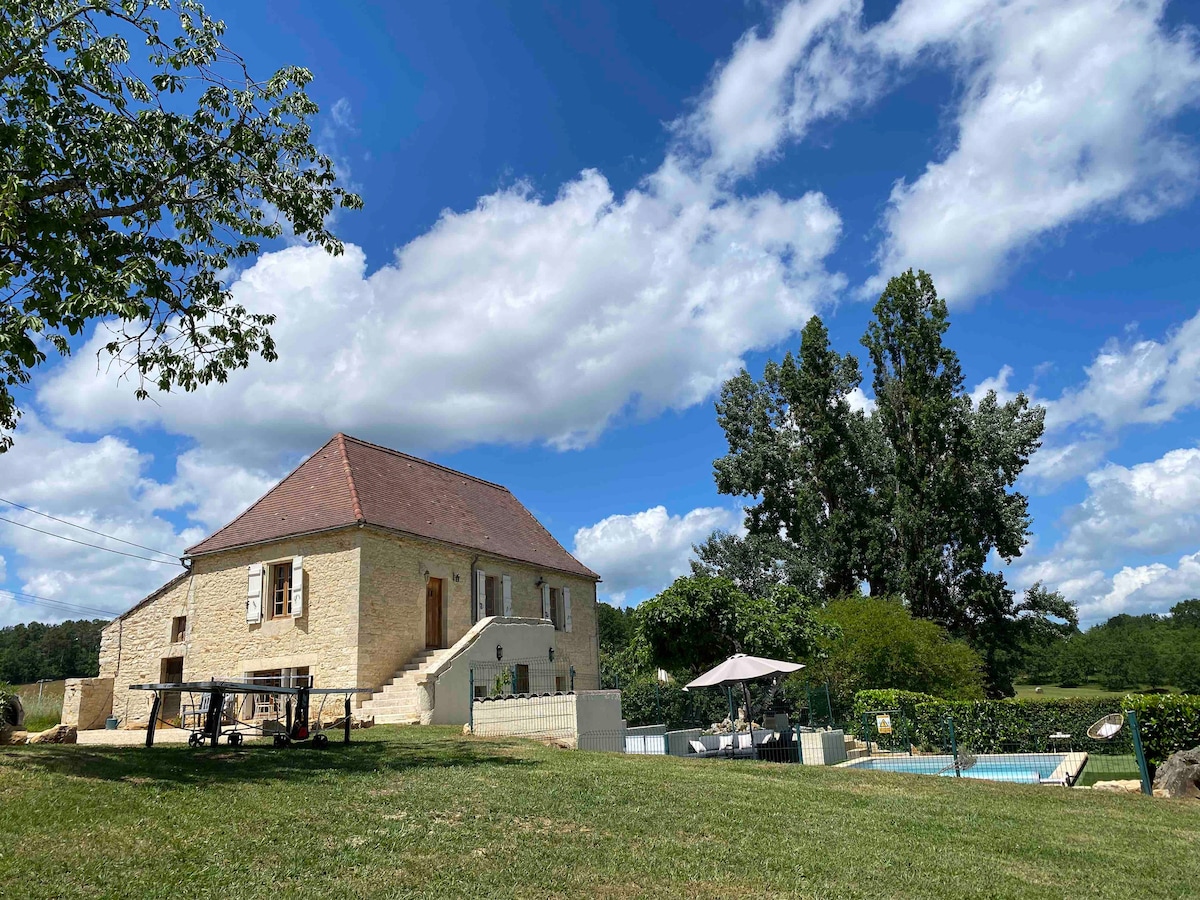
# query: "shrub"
{"type": "Point", "coordinates": [647, 702]}
{"type": "Point", "coordinates": [887, 699]}
{"type": "Point", "coordinates": [8, 712]}
{"type": "Point", "coordinates": [1167, 723]}
{"type": "Point", "coordinates": [879, 644]}
{"type": "Point", "coordinates": [1017, 726]}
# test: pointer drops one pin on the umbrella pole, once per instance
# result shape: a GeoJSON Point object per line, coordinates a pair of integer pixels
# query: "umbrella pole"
{"type": "Point", "coordinates": [729, 695]}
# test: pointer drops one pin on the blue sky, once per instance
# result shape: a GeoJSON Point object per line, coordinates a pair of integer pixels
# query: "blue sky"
{"type": "Point", "coordinates": [579, 221]}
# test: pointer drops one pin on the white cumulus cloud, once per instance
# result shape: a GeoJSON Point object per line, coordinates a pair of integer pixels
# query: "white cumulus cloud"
{"type": "Point", "coordinates": [1149, 509]}
{"type": "Point", "coordinates": [646, 551]}
{"type": "Point", "coordinates": [1065, 110]}
{"type": "Point", "coordinates": [519, 320]}
{"type": "Point", "coordinates": [101, 485]}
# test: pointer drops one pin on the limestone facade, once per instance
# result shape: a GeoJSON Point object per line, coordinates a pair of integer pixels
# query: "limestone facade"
{"type": "Point", "coordinates": [363, 616]}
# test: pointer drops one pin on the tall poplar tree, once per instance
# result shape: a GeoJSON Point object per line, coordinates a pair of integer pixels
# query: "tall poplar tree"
{"type": "Point", "coordinates": [797, 446]}
{"type": "Point", "coordinates": [916, 498]}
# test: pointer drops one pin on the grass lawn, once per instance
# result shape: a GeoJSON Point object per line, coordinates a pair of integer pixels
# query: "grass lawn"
{"type": "Point", "coordinates": [1053, 692]}
{"type": "Point", "coordinates": [44, 711]}
{"type": "Point", "coordinates": [426, 812]}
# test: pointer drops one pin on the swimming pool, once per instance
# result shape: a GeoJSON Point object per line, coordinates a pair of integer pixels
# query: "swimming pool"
{"type": "Point", "coordinates": [1018, 768]}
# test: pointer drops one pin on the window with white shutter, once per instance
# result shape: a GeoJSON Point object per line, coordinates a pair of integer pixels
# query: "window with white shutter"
{"type": "Point", "coordinates": [254, 587]}
{"type": "Point", "coordinates": [506, 586]}
{"type": "Point", "coordinates": [480, 593]}
{"type": "Point", "coordinates": [545, 601]}
{"type": "Point", "coordinates": [297, 586]}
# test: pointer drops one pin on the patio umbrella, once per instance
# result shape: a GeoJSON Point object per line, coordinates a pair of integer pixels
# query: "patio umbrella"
{"type": "Point", "coordinates": [739, 669]}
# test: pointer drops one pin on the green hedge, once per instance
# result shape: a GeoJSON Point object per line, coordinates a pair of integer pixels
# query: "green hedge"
{"type": "Point", "coordinates": [1017, 726]}
{"type": "Point", "coordinates": [647, 702]}
{"type": "Point", "coordinates": [876, 701]}
{"type": "Point", "coordinates": [8, 715]}
{"type": "Point", "coordinates": [1167, 722]}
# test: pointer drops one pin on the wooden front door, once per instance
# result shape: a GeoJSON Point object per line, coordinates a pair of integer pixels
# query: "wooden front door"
{"type": "Point", "coordinates": [171, 673]}
{"type": "Point", "coordinates": [433, 613]}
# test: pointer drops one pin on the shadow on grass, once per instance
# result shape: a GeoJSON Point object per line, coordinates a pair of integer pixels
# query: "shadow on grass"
{"type": "Point", "coordinates": [178, 764]}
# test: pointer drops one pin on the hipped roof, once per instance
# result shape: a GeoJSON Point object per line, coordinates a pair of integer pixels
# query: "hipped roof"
{"type": "Point", "coordinates": [351, 481]}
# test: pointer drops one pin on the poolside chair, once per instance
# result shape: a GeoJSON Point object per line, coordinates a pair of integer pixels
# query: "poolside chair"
{"type": "Point", "coordinates": [725, 744]}
{"type": "Point", "coordinates": [698, 749]}
{"type": "Point", "coordinates": [1107, 728]}
{"type": "Point", "coordinates": [745, 746]}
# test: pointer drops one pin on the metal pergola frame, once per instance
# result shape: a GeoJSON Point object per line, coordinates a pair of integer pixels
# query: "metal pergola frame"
{"type": "Point", "coordinates": [296, 718]}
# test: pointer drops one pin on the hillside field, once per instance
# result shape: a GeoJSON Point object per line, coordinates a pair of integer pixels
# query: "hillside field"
{"type": "Point", "coordinates": [428, 812]}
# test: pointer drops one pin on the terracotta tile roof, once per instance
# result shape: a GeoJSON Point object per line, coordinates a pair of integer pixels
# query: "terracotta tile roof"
{"type": "Point", "coordinates": [349, 481]}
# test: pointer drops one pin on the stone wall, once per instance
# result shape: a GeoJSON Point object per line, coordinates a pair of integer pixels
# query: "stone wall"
{"type": "Point", "coordinates": [364, 615]}
{"type": "Point", "coordinates": [87, 702]}
{"type": "Point", "coordinates": [132, 650]}
{"type": "Point", "coordinates": [220, 643]}
{"type": "Point", "coordinates": [392, 621]}
{"type": "Point", "coordinates": [589, 720]}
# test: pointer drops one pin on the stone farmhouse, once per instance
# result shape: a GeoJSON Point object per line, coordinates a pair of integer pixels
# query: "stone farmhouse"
{"type": "Point", "coordinates": [364, 566]}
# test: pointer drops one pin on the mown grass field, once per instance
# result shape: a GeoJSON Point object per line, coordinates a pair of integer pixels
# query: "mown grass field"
{"type": "Point", "coordinates": [1054, 692]}
{"type": "Point", "coordinates": [430, 813]}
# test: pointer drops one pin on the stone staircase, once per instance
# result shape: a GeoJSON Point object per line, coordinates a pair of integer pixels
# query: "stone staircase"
{"type": "Point", "coordinates": [396, 702]}
{"type": "Point", "coordinates": [855, 749]}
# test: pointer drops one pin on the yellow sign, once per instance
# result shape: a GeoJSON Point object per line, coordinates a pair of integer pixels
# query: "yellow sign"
{"type": "Point", "coordinates": [883, 724]}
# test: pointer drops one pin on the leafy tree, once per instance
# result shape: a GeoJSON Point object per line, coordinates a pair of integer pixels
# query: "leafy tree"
{"type": "Point", "coordinates": [34, 651]}
{"type": "Point", "coordinates": [615, 627]}
{"type": "Point", "coordinates": [879, 644]}
{"type": "Point", "coordinates": [949, 502]}
{"type": "Point", "coordinates": [796, 446]}
{"type": "Point", "coordinates": [1186, 614]}
{"type": "Point", "coordinates": [119, 204]}
{"type": "Point", "coordinates": [701, 620]}
{"type": "Point", "coordinates": [755, 563]}
{"type": "Point", "coordinates": [913, 499]}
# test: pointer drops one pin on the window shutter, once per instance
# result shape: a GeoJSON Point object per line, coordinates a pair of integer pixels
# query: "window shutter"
{"type": "Point", "coordinates": [506, 583]}
{"type": "Point", "coordinates": [566, 592]}
{"type": "Point", "coordinates": [480, 593]}
{"type": "Point", "coordinates": [297, 586]}
{"type": "Point", "coordinates": [254, 577]}
{"type": "Point", "coordinates": [545, 601]}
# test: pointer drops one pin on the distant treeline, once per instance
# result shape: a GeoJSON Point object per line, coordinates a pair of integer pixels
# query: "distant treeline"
{"type": "Point", "coordinates": [35, 651]}
{"type": "Point", "coordinates": [1125, 652]}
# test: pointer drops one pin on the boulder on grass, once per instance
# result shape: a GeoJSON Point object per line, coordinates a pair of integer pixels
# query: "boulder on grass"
{"type": "Point", "coordinates": [10, 735]}
{"type": "Point", "coordinates": [59, 734]}
{"type": "Point", "coordinates": [1133, 786]}
{"type": "Point", "coordinates": [1179, 776]}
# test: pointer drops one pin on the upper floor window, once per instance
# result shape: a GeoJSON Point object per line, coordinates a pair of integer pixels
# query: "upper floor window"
{"type": "Point", "coordinates": [491, 593]}
{"type": "Point", "coordinates": [280, 581]}
{"type": "Point", "coordinates": [178, 629]}
{"type": "Point", "coordinates": [555, 615]}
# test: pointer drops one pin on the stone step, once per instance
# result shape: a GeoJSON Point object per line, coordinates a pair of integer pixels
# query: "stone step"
{"type": "Point", "coordinates": [409, 712]}
{"type": "Point", "coordinates": [397, 720]}
{"type": "Point", "coordinates": [857, 753]}
{"type": "Point", "coordinates": [391, 700]}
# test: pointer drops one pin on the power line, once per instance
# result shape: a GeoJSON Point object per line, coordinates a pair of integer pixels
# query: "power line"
{"type": "Point", "coordinates": [34, 599]}
{"type": "Point", "coordinates": [38, 512]}
{"type": "Point", "coordinates": [93, 546]}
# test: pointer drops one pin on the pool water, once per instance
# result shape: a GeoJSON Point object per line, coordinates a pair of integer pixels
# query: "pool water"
{"type": "Point", "coordinates": [1020, 768]}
